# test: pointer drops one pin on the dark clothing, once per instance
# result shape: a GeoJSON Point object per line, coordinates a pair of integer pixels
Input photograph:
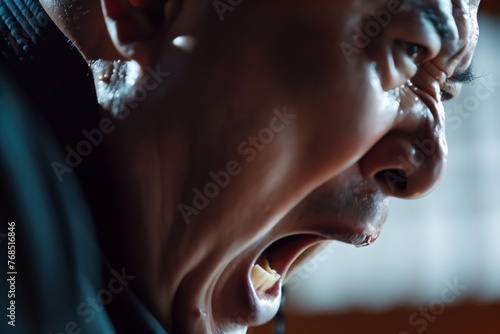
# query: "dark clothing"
{"type": "Point", "coordinates": [63, 217]}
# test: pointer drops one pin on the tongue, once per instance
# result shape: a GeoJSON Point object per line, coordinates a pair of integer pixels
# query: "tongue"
{"type": "Point", "coordinates": [263, 276]}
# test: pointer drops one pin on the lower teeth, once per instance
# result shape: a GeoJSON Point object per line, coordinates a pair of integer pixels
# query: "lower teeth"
{"type": "Point", "coordinates": [263, 277]}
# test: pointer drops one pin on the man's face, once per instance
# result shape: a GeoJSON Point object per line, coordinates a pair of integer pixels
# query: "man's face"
{"type": "Point", "coordinates": [297, 121]}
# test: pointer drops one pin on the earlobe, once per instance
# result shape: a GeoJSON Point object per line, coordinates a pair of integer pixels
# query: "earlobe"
{"type": "Point", "coordinates": [136, 25]}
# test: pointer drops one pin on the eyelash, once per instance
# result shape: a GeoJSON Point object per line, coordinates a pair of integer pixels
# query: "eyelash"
{"type": "Point", "coordinates": [445, 96]}
{"type": "Point", "coordinates": [413, 50]}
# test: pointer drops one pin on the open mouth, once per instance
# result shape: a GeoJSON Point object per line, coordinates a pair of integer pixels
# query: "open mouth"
{"type": "Point", "coordinates": [272, 267]}
{"type": "Point", "coordinates": [281, 258]}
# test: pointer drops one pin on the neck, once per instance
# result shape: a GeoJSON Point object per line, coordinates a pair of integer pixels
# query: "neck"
{"type": "Point", "coordinates": [143, 193]}
{"type": "Point", "coordinates": [164, 252]}
{"type": "Point", "coordinates": [177, 262]}
{"type": "Point", "coordinates": [149, 158]}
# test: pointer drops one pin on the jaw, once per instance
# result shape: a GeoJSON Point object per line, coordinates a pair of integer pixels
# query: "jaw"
{"type": "Point", "coordinates": [220, 284]}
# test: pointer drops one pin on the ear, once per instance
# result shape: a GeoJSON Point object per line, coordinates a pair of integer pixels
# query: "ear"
{"type": "Point", "coordinates": [136, 26]}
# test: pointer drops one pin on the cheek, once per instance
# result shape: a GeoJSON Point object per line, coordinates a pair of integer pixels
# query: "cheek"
{"type": "Point", "coordinates": [340, 115]}
{"type": "Point", "coordinates": [341, 107]}
{"type": "Point", "coordinates": [293, 57]}
{"type": "Point", "coordinates": [344, 120]}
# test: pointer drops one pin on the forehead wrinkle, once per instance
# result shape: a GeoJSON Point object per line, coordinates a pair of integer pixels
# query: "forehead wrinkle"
{"type": "Point", "coordinates": [473, 11]}
{"type": "Point", "coordinates": [465, 14]}
{"type": "Point", "coordinates": [474, 4]}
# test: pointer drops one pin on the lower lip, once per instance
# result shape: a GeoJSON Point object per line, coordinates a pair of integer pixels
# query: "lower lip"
{"type": "Point", "coordinates": [266, 304]}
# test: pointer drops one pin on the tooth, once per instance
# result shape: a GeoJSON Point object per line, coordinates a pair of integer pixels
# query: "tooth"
{"type": "Point", "coordinates": [263, 278]}
{"type": "Point", "coordinates": [258, 276]}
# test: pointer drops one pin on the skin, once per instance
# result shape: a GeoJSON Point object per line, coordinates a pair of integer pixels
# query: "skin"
{"type": "Point", "coordinates": [358, 133]}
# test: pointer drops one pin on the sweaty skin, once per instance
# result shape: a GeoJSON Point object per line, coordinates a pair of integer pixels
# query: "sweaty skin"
{"type": "Point", "coordinates": [297, 141]}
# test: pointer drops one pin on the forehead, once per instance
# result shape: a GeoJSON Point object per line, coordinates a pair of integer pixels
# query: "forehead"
{"type": "Point", "coordinates": [469, 8]}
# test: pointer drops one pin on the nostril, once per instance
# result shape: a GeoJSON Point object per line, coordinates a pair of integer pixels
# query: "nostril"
{"type": "Point", "coordinates": [406, 165]}
{"type": "Point", "coordinates": [395, 180]}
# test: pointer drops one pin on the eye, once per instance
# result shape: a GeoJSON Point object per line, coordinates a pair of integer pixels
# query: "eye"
{"type": "Point", "coordinates": [445, 96]}
{"type": "Point", "coordinates": [414, 50]}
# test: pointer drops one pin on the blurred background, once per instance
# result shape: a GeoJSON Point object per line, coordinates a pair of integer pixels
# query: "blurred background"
{"type": "Point", "coordinates": [436, 266]}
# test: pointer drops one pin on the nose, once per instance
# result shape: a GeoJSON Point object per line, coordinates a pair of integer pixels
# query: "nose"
{"type": "Point", "coordinates": [407, 164]}
{"type": "Point", "coordinates": [410, 158]}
